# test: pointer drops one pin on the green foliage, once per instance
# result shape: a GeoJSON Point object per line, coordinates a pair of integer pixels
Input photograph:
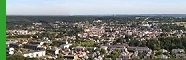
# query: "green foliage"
{"type": "Point", "coordinates": [103, 51]}
{"type": "Point", "coordinates": [137, 43]}
{"type": "Point", "coordinates": [153, 44]}
{"type": "Point", "coordinates": [120, 40]}
{"type": "Point", "coordinates": [170, 43]}
{"type": "Point", "coordinates": [141, 54]}
{"type": "Point", "coordinates": [57, 43]}
{"type": "Point", "coordinates": [158, 53]}
{"type": "Point", "coordinates": [84, 43]}
{"type": "Point", "coordinates": [91, 58]}
{"type": "Point", "coordinates": [167, 43]}
{"type": "Point", "coordinates": [114, 54]}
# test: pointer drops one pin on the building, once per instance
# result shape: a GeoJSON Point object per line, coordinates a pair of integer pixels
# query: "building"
{"type": "Point", "coordinates": [181, 55]}
{"type": "Point", "coordinates": [104, 47]}
{"type": "Point", "coordinates": [162, 56]}
{"type": "Point", "coordinates": [14, 45]}
{"type": "Point", "coordinates": [10, 41]}
{"type": "Point", "coordinates": [33, 47]}
{"type": "Point", "coordinates": [79, 48]}
{"type": "Point", "coordinates": [177, 50]}
{"type": "Point", "coordinates": [10, 51]}
{"type": "Point", "coordinates": [63, 46]}
{"type": "Point", "coordinates": [140, 49]}
{"type": "Point", "coordinates": [90, 48]}
{"type": "Point", "coordinates": [34, 54]}
{"type": "Point", "coordinates": [163, 50]}
{"type": "Point", "coordinates": [53, 51]}
{"type": "Point", "coordinates": [70, 57]}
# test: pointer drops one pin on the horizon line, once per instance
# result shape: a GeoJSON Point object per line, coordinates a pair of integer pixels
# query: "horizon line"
{"type": "Point", "coordinates": [97, 14]}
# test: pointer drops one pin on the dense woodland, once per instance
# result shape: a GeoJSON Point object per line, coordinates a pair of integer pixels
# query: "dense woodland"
{"type": "Point", "coordinates": [28, 20]}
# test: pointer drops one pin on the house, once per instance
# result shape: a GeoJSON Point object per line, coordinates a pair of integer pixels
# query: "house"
{"type": "Point", "coordinates": [67, 45]}
{"type": "Point", "coordinates": [33, 47]}
{"type": "Point", "coordinates": [124, 55]}
{"type": "Point", "coordinates": [140, 49]}
{"type": "Point", "coordinates": [108, 59]}
{"type": "Point", "coordinates": [36, 42]}
{"type": "Point", "coordinates": [135, 55]}
{"type": "Point", "coordinates": [45, 38]}
{"type": "Point", "coordinates": [163, 50]}
{"type": "Point", "coordinates": [104, 47]}
{"type": "Point", "coordinates": [81, 53]}
{"type": "Point", "coordinates": [53, 51]}
{"type": "Point", "coordinates": [98, 58]}
{"type": "Point", "coordinates": [162, 56]}
{"type": "Point", "coordinates": [10, 41]}
{"type": "Point", "coordinates": [34, 54]}
{"type": "Point", "coordinates": [70, 57]}
{"type": "Point", "coordinates": [10, 51]}
{"type": "Point", "coordinates": [178, 50]}
{"type": "Point", "coordinates": [14, 45]}
{"type": "Point", "coordinates": [119, 58]}
{"type": "Point", "coordinates": [122, 49]}
{"type": "Point", "coordinates": [118, 46]}
{"type": "Point", "coordinates": [78, 48]}
{"type": "Point", "coordinates": [181, 55]}
{"type": "Point", "coordinates": [63, 46]}
{"type": "Point", "coordinates": [90, 48]}
{"type": "Point", "coordinates": [96, 54]}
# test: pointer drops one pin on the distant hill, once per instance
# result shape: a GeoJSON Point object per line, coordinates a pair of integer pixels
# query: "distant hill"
{"type": "Point", "coordinates": [124, 15]}
{"type": "Point", "coordinates": [163, 15]}
{"type": "Point", "coordinates": [170, 15]}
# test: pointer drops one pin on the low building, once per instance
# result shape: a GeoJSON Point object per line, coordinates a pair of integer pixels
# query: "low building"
{"type": "Point", "coordinates": [79, 48]}
{"type": "Point", "coordinates": [181, 55]}
{"type": "Point", "coordinates": [108, 59]}
{"type": "Point", "coordinates": [104, 47]}
{"type": "Point", "coordinates": [36, 42]}
{"type": "Point", "coordinates": [32, 47]}
{"type": "Point", "coordinates": [70, 57]}
{"type": "Point", "coordinates": [10, 41]}
{"type": "Point", "coordinates": [178, 50]}
{"type": "Point", "coordinates": [140, 49]}
{"type": "Point", "coordinates": [118, 46]}
{"type": "Point", "coordinates": [10, 51]}
{"type": "Point", "coordinates": [53, 51]}
{"type": "Point", "coordinates": [14, 45]}
{"type": "Point", "coordinates": [163, 50]}
{"type": "Point", "coordinates": [162, 56]}
{"type": "Point", "coordinates": [119, 58]}
{"type": "Point", "coordinates": [90, 48]}
{"type": "Point", "coordinates": [63, 46]}
{"type": "Point", "coordinates": [34, 54]}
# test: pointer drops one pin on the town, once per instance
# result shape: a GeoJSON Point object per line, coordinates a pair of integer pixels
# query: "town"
{"type": "Point", "coordinates": [95, 37]}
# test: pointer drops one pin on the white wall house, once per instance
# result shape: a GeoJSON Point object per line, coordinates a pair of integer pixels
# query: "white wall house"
{"type": "Point", "coordinates": [53, 51]}
{"type": "Point", "coordinates": [177, 50]}
{"type": "Point", "coordinates": [35, 54]}
{"type": "Point", "coordinates": [63, 46]}
{"type": "Point", "coordinates": [10, 51]}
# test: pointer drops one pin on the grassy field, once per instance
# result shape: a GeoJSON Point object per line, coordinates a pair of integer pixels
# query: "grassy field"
{"type": "Point", "coordinates": [181, 23]}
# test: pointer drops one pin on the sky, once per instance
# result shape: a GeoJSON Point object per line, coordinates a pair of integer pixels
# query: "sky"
{"type": "Point", "coordinates": [94, 7]}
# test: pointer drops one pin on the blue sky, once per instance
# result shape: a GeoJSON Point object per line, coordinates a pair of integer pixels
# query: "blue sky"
{"type": "Point", "coordinates": [94, 7]}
